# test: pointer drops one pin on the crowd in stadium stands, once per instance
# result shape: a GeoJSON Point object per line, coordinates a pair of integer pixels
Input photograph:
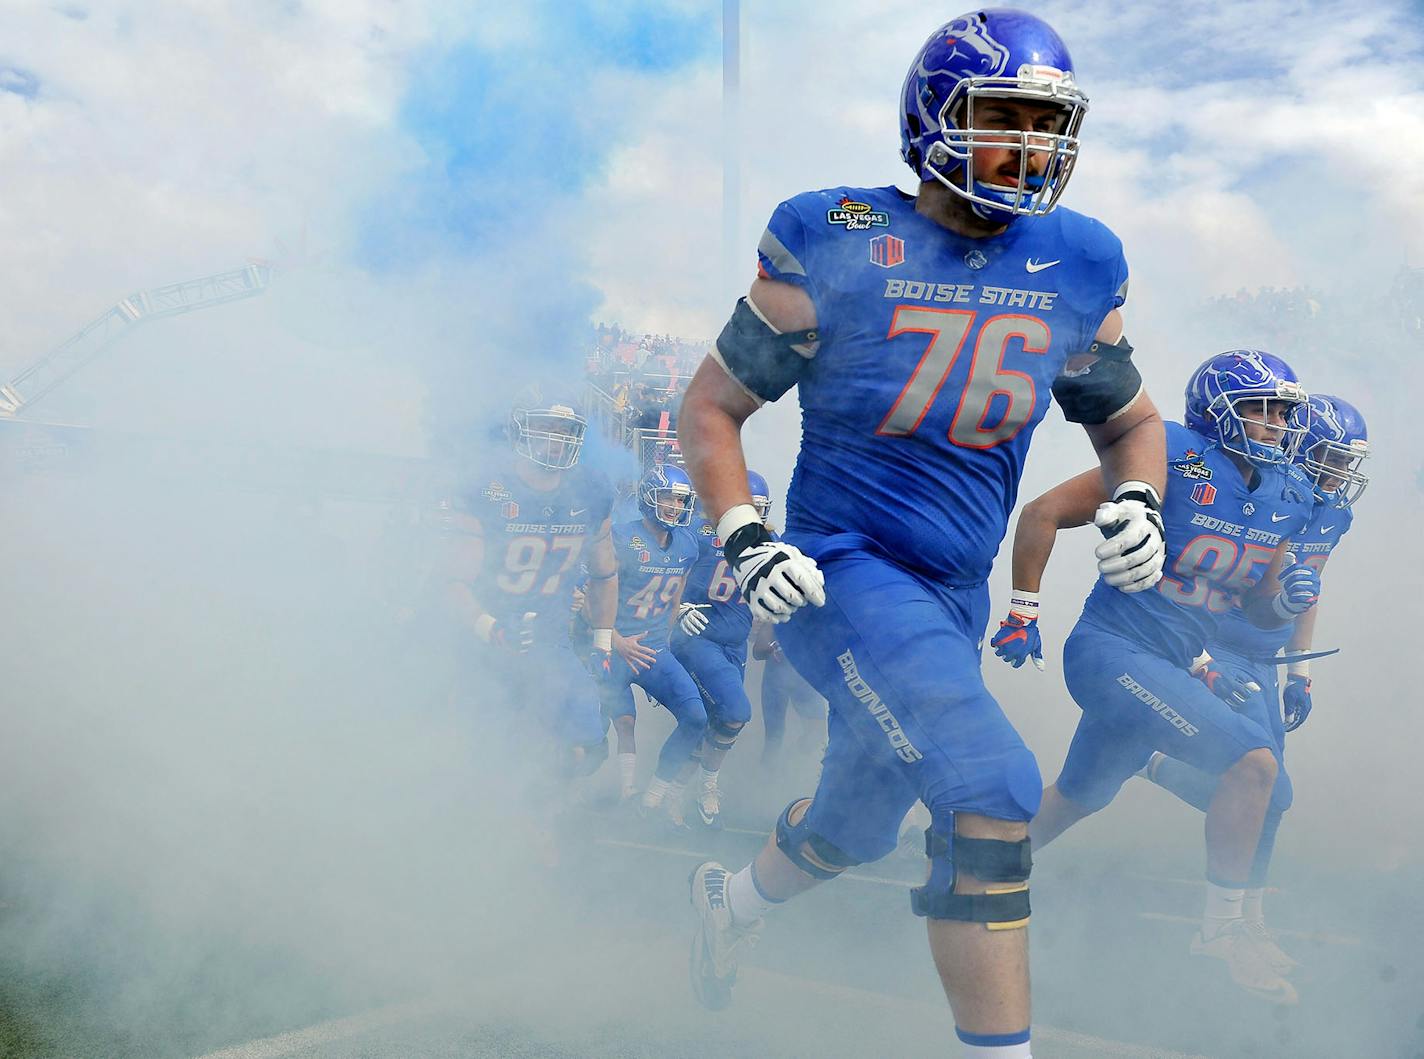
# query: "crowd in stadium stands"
{"type": "Point", "coordinates": [1308, 322]}
{"type": "Point", "coordinates": [638, 382]}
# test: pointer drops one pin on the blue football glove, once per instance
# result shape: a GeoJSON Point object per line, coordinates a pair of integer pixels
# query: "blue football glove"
{"type": "Point", "coordinates": [1018, 641]}
{"type": "Point", "coordinates": [516, 636]}
{"type": "Point", "coordinates": [1297, 701]}
{"type": "Point", "coordinates": [600, 658]}
{"type": "Point", "coordinates": [1300, 588]}
{"type": "Point", "coordinates": [1231, 685]}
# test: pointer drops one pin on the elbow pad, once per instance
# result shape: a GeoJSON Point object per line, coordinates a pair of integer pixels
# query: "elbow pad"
{"type": "Point", "coordinates": [1098, 384]}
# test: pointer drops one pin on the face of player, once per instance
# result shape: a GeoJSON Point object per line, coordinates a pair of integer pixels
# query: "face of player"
{"type": "Point", "coordinates": [1264, 419]}
{"type": "Point", "coordinates": [1340, 461]}
{"type": "Point", "coordinates": [671, 506]}
{"type": "Point", "coordinates": [552, 443]}
{"type": "Point", "coordinates": [994, 165]}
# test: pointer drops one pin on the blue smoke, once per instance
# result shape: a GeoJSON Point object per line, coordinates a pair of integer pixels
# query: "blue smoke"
{"type": "Point", "coordinates": [507, 151]}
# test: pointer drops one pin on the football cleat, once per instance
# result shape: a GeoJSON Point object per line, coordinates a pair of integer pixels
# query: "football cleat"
{"type": "Point", "coordinates": [717, 943]}
{"type": "Point", "coordinates": [1280, 960]}
{"type": "Point", "coordinates": [709, 804]}
{"type": "Point", "coordinates": [1239, 949]}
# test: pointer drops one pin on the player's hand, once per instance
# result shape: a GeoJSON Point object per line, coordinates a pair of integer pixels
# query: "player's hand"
{"type": "Point", "coordinates": [691, 618]}
{"type": "Point", "coordinates": [775, 578]}
{"type": "Point", "coordinates": [1296, 697]}
{"type": "Point", "coordinates": [515, 636]}
{"type": "Point", "coordinates": [1018, 641]}
{"type": "Point", "coordinates": [1136, 547]}
{"type": "Point", "coordinates": [576, 604]}
{"type": "Point", "coordinates": [1231, 685]}
{"type": "Point", "coordinates": [1300, 588]}
{"type": "Point", "coordinates": [633, 651]}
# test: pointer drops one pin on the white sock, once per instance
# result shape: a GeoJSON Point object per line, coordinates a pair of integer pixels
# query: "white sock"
{"type": "Point", "coordinates": [627, 769]}
{"type": "Point", "coordinates": [1251, 905]}
{"type": "Point", "coordinates": [709, 779]}
{"type": "Point", "coordinates": [1223, 905]}
{"type": "Point", "coordinates": [744, 898]}
{"type": "Point", "coordinates": [657, 788]}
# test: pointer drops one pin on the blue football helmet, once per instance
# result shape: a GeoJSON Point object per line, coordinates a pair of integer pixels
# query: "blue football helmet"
{"type": "Point", "coordinates": [665, 495]}
{"type": "Point", "coordinates": [547, 429]}
{"type": "Point", "coordinates": [1241, 375]}
{"type": "Point", "coordinates": [1336, 443]}
{"type": "Point", "coordinates": [994, 54]}
{"type": "Point", "coordinates": [761, 494]}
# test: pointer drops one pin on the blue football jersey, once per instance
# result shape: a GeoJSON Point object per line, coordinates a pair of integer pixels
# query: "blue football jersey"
{"type": "Point", "coordinates": [1311, 546]}
{"type": "Point", "coordinates": [1221, 535]}
{"type": "Point", "coordinates": [649, 577]}
{"type": "Point", "coordinates": [729, 619]}
{"type": "Point", "coordinates": [534, 541]}
{"type": "Point", "coordinates": [937, 353]}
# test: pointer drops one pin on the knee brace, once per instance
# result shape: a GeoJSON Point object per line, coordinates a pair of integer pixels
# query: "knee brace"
{"type": "Point", "coordinates": [806, 849]}
{"type": "Point", "coordinates": [722, 734]}
{"type": "Point", "coordinates": [1004, 866]}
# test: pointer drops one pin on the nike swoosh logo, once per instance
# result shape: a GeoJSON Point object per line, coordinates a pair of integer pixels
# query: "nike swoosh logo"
{"type": "Point", "coordinates": [1039, 266]}
{"type": "Point", "coordinates": [1279, 518]}
{"type": "Point", "coordinates": [1326, 529]}
{"type": "Point", "coordinates": [576, 514]}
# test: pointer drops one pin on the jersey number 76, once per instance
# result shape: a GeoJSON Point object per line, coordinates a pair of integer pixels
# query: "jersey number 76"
{"type": "Point", "coordinates": [988, 378]}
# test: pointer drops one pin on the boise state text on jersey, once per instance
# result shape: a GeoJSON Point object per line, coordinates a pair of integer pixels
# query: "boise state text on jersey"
{"type": "Point", "coordinates": [937, 354]}
{"type": "Point", "coordinates": [533, 542]}
{"type": "Point", "coordinates": [1221, 536]}
{"type": "Point", "coordinates": [1312, 546]}
{"type": "Point", "coordinates": [650, 577]}
{"type": "Point", "coordinates": [711, 583]}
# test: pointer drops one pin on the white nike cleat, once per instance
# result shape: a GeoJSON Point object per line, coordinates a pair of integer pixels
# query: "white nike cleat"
{"type": "Point", "coordinates": [709, 804]}
{"type": "Point", "coordinates": [1281, 961]}
{"type": "Point", "coordinates": [717, 943]}
{"type": "Point", "coordinates": [1244, 957]}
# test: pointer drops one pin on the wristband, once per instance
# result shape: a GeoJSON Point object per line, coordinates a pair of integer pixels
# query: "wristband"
{"type": "Point", "coordinates": [1024, 604]}
{"type": "Point", "coordinates": [1138, 491]}
{"type": "Point", "coordinates": [735, 518]}
{"type": "Point", "coordinates": [603, 639]}
{"type": "Point", "coordinates": [1298, 669]}
{"type": "Point", "coordinates": [1281, 609]}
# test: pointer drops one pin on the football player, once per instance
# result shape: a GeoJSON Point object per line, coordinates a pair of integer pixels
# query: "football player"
{"type": "Point", "coordinates": [655, 552]}
{"type": "Point", "coordinates": [925, 333]}
{"type": "Point", "coordinates": [1335, 445]}
{"type": "Point", "coordinates": [1232, 502]}
{"type": "Point", "coordinates": [714, 623]}
{"type": "Point", "coordinates": [515, 543]}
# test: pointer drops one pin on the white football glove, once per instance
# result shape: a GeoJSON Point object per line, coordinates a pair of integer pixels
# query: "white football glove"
{"type": "Point", "coordinates": [691, 618]}
{"type": "Point", "coordinates": [775, 578]}
{"type": "Point", "coordinates": [1136, 547]}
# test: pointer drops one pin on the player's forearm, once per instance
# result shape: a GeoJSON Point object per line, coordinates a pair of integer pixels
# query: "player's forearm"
{"type": "Point", "coordinates": [711, 438]}
{"type": "Point", "coordinates": [1133, 448]}
{"type": "Point", "coordinates": [469, 611]}
{"type": "Point", "coordinates": [601, 601]}
{"type": "Point", "coordinates": [1303, 635]}
{"type": "Point", "coordinates": [1033, 544]}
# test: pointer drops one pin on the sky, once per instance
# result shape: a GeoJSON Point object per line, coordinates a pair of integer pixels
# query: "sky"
{"type": "Point", "coordinates": [449, 193]}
